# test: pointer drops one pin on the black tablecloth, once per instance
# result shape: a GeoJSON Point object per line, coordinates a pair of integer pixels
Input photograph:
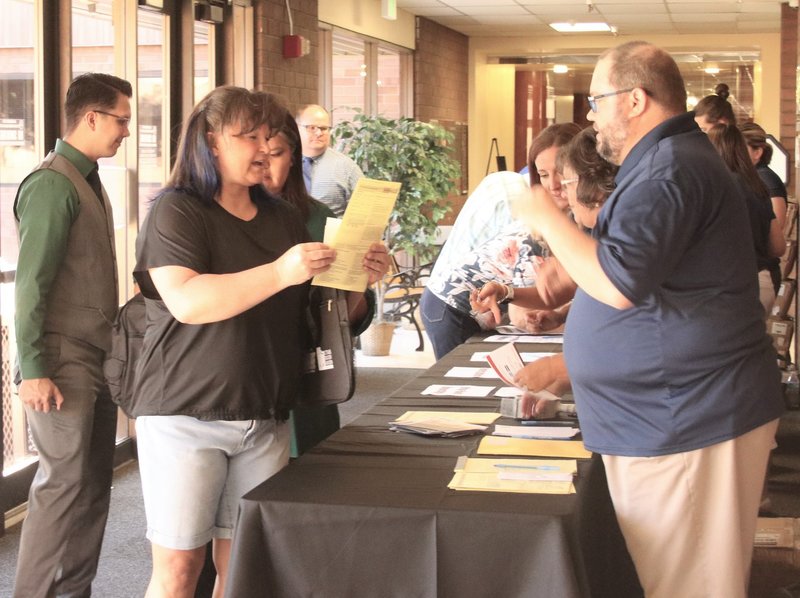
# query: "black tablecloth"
{"type": "Point", "coordinates": [368, 514]}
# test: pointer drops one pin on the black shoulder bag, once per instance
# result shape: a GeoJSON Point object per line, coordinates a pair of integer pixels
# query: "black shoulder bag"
{"type": "Point", "coordinates": [329, 375]}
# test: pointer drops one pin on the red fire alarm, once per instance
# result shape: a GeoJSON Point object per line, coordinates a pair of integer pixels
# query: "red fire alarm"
{"type": "Point", "coordinates": [295, 46]}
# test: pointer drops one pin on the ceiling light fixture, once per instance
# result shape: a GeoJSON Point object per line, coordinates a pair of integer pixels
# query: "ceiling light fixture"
{"type": "Point", "coordinates": [580, 27]}
{"type": "Point", "coordinates": [560, 69]}
{"type": "Point", "coordinates": [711, 70]}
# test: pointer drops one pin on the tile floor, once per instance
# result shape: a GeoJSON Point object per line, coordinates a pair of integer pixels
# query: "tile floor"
{"type": "Point", "coordinates": [403, 353]}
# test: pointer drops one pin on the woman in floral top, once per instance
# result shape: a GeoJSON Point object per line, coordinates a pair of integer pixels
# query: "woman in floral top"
{"type": "Point", "coordinates": [511, 257]}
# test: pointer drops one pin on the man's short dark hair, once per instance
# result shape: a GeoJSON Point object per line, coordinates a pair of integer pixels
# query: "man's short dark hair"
{"type": "Point", "coordinates": [92, 91]}
{"type": "Point", "coordinates": [641, 64]}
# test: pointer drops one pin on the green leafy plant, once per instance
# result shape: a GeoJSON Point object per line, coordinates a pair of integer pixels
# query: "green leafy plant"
{"type": "Point", "coordinates": [417, 155]}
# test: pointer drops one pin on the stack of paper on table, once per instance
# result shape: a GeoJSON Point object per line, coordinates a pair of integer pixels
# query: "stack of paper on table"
{"type": "Point", "coordinates": [543, 432]}
{"type": "Point", "coordinates": [470, 417]}
{"type": "Point", "coordinates": [535, 476]}
{"type": "Point", "coordinates": [524, 447]}
{"type": "Point", "coordinates": [437, 426]}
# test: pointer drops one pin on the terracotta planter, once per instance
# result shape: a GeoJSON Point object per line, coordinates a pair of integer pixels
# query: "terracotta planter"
{"type": "Point", "coordinates": [377, 339]}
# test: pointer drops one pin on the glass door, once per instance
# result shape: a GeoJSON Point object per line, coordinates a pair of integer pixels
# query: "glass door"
{"type": "Point", "coordinates": [19, 154]}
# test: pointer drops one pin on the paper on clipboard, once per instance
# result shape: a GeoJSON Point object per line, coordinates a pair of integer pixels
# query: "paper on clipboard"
{"type": "Point", "coordinates": [363, 223]}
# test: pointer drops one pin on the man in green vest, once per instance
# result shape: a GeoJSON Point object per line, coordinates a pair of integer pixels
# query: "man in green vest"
{"type": "Point", "coordinates": [66, 301]}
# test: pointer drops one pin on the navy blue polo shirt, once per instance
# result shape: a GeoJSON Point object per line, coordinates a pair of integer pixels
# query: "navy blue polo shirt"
{"type": "Point", "coordinates": [690, 364]}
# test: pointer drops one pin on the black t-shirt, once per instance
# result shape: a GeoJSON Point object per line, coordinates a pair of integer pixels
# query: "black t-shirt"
{"type": "Point", "coordinates": [773, 182]}
{"type": "Point", "coordinates": [245, 367]}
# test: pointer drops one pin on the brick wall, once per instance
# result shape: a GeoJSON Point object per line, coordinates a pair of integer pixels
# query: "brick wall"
{"type": "Point", "coordinates": [441, 73]}
{"type": "Point", "coordinates": [296, 79]}
{"type": "Point", "coordinates": [441, 76]}
{"type": "Point", "coordinates": [789, 59]}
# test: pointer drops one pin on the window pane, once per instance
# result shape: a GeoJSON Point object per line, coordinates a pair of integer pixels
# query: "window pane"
{"type": "Point", "coordinates": [348, 76]}
{"type": "Point", "coordinates": [94, 50]}
{"type": "Point", "coordinates": [150, 102]}
{"type": "Point", "coordinates": [92, 37]}
{"type": "Point", "coordinates": [18, 156]}
{"type": "Point", "coordinates": [388, 83]}
{"type": "Point", "coordinates": [202, 66]}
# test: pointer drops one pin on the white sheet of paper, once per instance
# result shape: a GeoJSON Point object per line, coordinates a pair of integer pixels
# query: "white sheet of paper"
{"type": "Point", "coordinates": [526, 338]}
{"type": "Point", "coordinates": [506, 361]}
{"type": "Point", "coordinates": [457, 390]}
{"type": "Point", "coordinates": [553, 432]}
{"type": "Point", "coordinates": [527, 356]}
{"type": "Point", "coordinates": [467, 372]}
{"type": "Point", "coordinates": [508, 391]}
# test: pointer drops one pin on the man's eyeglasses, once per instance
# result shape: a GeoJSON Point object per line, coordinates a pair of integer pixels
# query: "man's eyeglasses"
{"type": "Point", "coordinates": [122, 121]}
{"type": "Point", "coordinates": [593, 99]}
{"type": "Point", "coordinates": [565, 182]}
{"type": "Point", "coordinates": [316, 129]}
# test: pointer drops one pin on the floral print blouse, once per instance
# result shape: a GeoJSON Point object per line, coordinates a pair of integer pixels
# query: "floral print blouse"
{"type": "Point", "coordinates": [512, 257]}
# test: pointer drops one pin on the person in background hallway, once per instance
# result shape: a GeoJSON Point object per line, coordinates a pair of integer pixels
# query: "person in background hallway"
{"type": "Point", "coordinates": [767, 234]}
{"type": "Point", "coordinates": [330, 176]}
{"type": "Point", "coordinates": [66, 298]}
{"type": "Point", "coordinates": [283, 177]}
{"type": "Point", "coordinates": [685, 407]}
{"type": "Point", "coordinates": [223, 268]}
{"type": "Point", "coordinates": [714, 109]}
{"type": "Point", "coordinates": [761, 155]}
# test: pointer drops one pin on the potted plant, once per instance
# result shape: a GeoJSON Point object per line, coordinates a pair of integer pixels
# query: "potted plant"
{"type": "Point", "coordinates": [417, 155]}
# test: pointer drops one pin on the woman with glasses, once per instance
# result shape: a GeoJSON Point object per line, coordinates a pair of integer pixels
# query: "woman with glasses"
{"type": "Point", "coordinates": [767, 234]}
{"type": "Point", "coordinates": [513, 256]}
{"type": "Point", "coordinates": [587, 181]}
{"type": "Point", "coordinates": [283, 177]}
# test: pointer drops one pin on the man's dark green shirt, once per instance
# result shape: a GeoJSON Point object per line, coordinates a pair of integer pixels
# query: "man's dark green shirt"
{"type": "Point", "coordinates": [46, 207]}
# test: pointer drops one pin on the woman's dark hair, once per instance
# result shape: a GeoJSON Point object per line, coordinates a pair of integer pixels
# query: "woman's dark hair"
{"type": "Point", "coordinates": [93, 91]}
{"type": "Point", "coordinates": [716, 107]}
{"type": "Point", "coordinates": [595, 174]}
{"type": "Point", "coordinates": [557, 135]}
{"type": "Point", "coordinates": [756, 137]}
{"type": "Point", "coordinates": [731, 146]}
{"type": "Point", "coordinates": [195, 170]}
{"type": "Point", "coordinates": [294, 189]}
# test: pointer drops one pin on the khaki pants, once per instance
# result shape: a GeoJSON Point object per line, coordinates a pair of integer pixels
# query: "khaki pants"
{"type": "Point", "coordinates": [69, 497]}
{"type": "Point", "coordinates": [689, 519]}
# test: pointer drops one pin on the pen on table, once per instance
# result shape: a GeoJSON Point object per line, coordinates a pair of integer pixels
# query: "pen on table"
{"type": "Point", "coordinates": [535, 467]}
{"type": "Point", "coordinates": [541, 422]}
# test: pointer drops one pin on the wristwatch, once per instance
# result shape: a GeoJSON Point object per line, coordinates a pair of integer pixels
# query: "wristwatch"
{"type": "Point", "coordinates": [509, 294]}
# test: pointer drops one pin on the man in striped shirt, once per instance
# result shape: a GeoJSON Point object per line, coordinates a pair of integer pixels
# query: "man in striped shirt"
{"type": "Point", "coordinates": [330, 176]}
